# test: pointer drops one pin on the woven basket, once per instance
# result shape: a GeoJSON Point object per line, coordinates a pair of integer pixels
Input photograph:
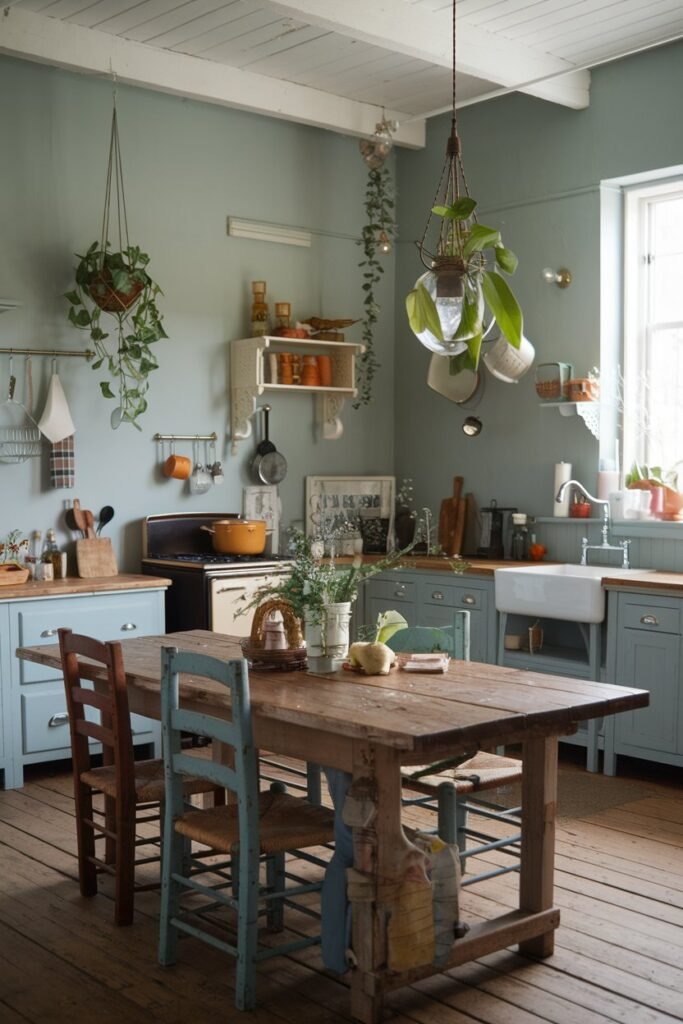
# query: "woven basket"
{"type": "Point", "coordinates": [293, 656]}
{"type": "Point", "coordinates": [548, 389]}
{"type": "Point", "coordinates": [581, 389]}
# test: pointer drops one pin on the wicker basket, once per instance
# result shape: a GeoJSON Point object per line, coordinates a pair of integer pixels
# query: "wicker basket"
{"type": "Point", "coordinates": [581, 389]}
{"type": "Point", "coordinates": [283, 660]}
{"type": "Point", "coordinates": [548, 389]}
{"type": "Point", "coordinates": [550, 379]}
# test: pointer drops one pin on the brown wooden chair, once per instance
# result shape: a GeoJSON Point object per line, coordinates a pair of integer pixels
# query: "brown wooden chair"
{"type": "Point", "coordinates": [133, 790]}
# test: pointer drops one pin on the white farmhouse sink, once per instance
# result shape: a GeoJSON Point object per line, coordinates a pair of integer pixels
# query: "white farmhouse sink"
{"type": "Point", "coordinates": [571, 592]}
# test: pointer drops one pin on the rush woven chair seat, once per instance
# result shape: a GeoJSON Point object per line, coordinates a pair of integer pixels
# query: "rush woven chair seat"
{"type": "Point", "coordinates": [255, 827]}
{"type": "Point", "coordinates": [443, 786]}
{"type": "Point", "coordinates": [132, 789]}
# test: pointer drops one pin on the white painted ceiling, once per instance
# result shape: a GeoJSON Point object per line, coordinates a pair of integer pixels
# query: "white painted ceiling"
{"type": "Point", "coordinates": [337, 63]}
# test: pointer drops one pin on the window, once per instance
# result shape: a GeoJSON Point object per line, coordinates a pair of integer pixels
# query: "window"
{"type": "Point", "coordinates": [652, 385]}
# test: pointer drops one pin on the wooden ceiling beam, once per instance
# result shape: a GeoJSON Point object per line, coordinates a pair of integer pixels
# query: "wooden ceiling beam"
{"type": "Point", "coordinates": [63, 44]}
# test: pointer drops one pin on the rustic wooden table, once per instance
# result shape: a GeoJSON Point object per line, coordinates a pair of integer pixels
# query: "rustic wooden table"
{"type": "Point", "coordinates": [370, 727]}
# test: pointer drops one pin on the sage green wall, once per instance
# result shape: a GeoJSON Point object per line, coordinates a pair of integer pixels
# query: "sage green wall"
{"type": "Point", "coordinates": [187, 166]}
{"type": "Point", "coordinates": [535, 169]}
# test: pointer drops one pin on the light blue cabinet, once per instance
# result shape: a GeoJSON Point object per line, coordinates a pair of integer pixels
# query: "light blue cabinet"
{"type": "Point", "coordinates": [34, 725]}
{"type": "Point", "coordinates": [429, 599]}
{"type": "Point", "coordinates": [646, 651]}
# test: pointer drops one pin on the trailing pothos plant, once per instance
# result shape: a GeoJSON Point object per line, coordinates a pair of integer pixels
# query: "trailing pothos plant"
{"type": "Point", "coordinates": [118, 283]}
{"type": "Point", "coordinates": [378, 231]}
{"type": "Point", "coordinates": [472, 255]}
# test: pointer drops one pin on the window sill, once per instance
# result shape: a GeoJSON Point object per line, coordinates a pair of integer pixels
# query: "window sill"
{"type": "Point", "coordinates": [656, 529]}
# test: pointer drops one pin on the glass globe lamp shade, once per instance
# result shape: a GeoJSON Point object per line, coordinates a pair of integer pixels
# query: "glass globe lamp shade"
{"type": "Point", "coordinates": [449, 311]}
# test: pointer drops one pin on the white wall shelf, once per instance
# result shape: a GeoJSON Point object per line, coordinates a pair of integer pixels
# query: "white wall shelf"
{"type": "Point", "coordinates": [588, 411]}
{"type": "Point", "coordinates": [250, 377]}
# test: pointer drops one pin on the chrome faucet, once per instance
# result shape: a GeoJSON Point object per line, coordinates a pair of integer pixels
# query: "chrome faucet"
{"type": "Point", "coordinates": [622, 546]}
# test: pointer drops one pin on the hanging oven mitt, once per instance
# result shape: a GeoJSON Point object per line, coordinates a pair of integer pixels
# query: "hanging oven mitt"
{"type": "Point", "coordinates": [56, 423]}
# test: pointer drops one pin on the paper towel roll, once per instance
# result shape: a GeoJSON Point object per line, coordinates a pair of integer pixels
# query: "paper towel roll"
{"type": "Point", "coordinates": [608, 482]}
{"type": "Point", "coordinates": [563, 472]}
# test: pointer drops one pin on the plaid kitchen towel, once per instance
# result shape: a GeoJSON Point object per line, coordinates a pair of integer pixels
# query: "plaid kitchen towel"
{"type": "Point", "coordinates": [62, 463]}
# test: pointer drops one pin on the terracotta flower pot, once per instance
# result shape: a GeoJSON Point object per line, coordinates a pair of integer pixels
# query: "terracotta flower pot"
{"type": "Point", "coordinates": [107, 298]}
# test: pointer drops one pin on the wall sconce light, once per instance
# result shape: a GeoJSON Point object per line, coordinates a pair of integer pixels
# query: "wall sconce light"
{"type": "Point", "coordinates": [384, 243]}
{"type": "Point", "coordinates": [562, 277]}
{"type": "Point", "coordinates": [472, 426]}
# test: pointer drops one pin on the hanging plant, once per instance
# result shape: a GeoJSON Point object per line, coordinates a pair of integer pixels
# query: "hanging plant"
{"type": "Point", "coordinates": [115, 281]}
{"type": "Point", "coordinates": [376, 237]}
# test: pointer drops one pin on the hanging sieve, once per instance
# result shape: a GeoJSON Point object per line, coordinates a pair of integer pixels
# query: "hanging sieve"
{"type": "Point", "coordinates": [19, 434]}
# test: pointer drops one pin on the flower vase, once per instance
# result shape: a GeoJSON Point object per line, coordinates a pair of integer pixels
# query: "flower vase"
{"type": "Point", "coordinates": [327, 636]}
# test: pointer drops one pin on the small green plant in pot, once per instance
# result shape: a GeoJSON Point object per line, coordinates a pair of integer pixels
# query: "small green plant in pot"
{"type": "Point", "coordinates": [118, 284]}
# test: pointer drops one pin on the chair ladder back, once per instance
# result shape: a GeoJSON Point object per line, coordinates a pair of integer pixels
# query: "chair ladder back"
{"type": "Point", "coordinates": [236, 733]}
{"type": "Point", "coordinates": [461, 634]}
{"type": "Point", "coordinates": [113, 730]}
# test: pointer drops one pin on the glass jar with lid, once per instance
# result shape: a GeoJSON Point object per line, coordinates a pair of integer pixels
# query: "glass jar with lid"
{"type": "Point", "coordinates": [519, 545]}
{"type": "Point", "coordinates": [259, 309]}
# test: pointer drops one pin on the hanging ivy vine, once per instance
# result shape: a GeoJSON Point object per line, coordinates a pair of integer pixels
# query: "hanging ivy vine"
{"type": "Point", "coordinates": [378, 230]}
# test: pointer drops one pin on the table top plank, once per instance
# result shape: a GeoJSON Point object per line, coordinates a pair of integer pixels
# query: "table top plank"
{"type": "Point", "coordinates": [469, 706]}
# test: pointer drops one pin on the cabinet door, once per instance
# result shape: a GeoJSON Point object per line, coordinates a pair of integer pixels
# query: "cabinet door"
{"type": "Point", "coordinates": [440, 597]}
{"type": "Point", "coordinates": [649, 661]}
{"type": "Point", "coordinates": [391, 594]}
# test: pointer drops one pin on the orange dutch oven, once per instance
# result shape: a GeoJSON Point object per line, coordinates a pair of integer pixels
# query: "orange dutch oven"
{"type": "Point", "coordinates": [238, 536]}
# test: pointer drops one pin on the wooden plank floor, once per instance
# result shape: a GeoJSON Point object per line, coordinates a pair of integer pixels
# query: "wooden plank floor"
{"type": "Point", "coordinates": [619, 949]}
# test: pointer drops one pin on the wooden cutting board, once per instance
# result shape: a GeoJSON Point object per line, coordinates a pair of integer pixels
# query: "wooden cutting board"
{"type": "Point", "coordinates": [459, 532]}
{"type": "Point", "coordinates": [95, 558]}
{"type": "Point", "coordinates": [471, 535]}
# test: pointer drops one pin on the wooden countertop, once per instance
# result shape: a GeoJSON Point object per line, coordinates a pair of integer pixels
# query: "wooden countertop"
{"type": "Point", "coordinates": [650, 580]}
{"type": "Point", "coordinates": [75, 585]}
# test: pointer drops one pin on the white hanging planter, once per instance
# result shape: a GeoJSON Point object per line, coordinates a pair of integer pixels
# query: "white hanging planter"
{"type": "Point", "coordinates": [327, 637]}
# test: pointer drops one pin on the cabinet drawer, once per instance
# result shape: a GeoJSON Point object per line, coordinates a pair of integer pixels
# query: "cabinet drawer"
{"type": "Point", "coordinates": [45, 721]}
{"type": "Point", "coordinates": [655, 617]}
{"type": "Point", "coordinates": [114, 617]}
{"type": "Point", "coordinates": [392, 590]}
{"type": "Point", "coordinates": [449, 596]}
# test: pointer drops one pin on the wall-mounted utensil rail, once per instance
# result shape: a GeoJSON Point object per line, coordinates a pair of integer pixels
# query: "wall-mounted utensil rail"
{"type": "Point", "coordinates": [56, 353]}
{"type": "Point", "coordinates": [186, 437]}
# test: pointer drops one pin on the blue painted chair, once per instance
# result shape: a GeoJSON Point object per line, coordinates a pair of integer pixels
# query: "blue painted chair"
{"type": "Point", "coordinates": [447, 787]}
{"type": "Point", "coordinates": [255, 826]}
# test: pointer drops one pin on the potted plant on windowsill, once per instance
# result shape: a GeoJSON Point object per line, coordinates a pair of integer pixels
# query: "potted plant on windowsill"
{"type": "Point", "coordinates": [655, 479]}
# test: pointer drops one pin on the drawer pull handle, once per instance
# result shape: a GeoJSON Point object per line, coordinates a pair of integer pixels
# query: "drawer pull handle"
{"type": "Point", "coordinates": [437, 595]}
{"type": "Point", "coordinates": [469, 599]}
{"type": "Point", "coordinates": [400, 590]}
{"type": "Point", "coordinates": [49, 632]}
{"type": "Point", "coordinates": [127, 626]}
{"type": "Point", "coordinates": [62, 718]}
{"type": "Point", "coordinates": [649, 620]}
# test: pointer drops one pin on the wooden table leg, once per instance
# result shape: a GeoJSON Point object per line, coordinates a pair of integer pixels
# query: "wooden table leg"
{"type": "Point", "coordinates": [539, 799]}
{"type": "Point", "coordinates": [390, 893]}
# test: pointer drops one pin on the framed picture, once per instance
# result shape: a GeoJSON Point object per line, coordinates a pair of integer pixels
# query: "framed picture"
{"type": "Point", "coordinates": [338, 507]}
{"type": "Point", "coordinates": [264, 503]}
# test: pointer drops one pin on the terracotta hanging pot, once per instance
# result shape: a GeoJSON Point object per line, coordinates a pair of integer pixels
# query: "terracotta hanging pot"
{"type": "Point", "coordinates": [110, 300]}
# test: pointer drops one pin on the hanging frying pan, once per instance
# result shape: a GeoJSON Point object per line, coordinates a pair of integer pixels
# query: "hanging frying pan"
{"type": "Point", "coordinates": [270, 465]}
{"type": "Point", "coordinates": [265, 445]}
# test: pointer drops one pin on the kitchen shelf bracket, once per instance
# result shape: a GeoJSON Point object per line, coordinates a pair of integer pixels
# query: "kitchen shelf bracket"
{"type": "Point", "coordinates": [588, 411]}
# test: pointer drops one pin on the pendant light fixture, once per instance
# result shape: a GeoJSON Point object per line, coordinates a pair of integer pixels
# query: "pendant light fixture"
{"type": "Point", "coordinates": [462, 283]}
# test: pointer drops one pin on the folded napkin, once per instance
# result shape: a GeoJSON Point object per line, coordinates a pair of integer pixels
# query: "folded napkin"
{"type": "Point", "coordinates": [62, 463]}
{"type": "Point", "coordinates": [56, 422]}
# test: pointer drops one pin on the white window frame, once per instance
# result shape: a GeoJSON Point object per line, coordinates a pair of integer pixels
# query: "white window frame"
{"type": "Point", "coordinates": [639, 268]}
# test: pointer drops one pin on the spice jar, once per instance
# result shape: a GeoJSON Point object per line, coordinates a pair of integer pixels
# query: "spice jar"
{"type": "Point", "coordinates": [283, 313]}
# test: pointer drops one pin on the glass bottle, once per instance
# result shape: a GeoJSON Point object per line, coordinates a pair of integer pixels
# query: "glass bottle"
{"type": "Point", "coordinates": [49, 556]}
{"type": "Point", "coordinates": [519, 545]}
{"type": "Point", "coordinates": [259, 309]}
